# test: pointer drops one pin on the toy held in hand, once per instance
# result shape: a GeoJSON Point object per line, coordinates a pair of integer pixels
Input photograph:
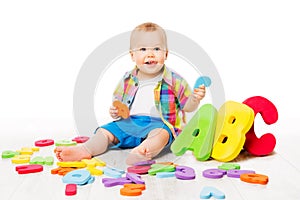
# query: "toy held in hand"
{"type": "Point", "coordinates": [202, 80]}
{"type": "Point", "coordinates": [123, 110]}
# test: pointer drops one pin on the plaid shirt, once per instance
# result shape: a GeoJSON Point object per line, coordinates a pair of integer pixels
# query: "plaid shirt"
{"type": "Point", "coordinates": [170, 95]}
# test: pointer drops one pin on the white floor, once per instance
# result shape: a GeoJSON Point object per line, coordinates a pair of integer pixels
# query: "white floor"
{"type": "Point", "coordinates": [282, 168]}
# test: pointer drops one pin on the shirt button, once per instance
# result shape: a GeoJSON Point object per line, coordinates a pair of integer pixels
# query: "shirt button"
{"type": "Point", "coordinates": [136, 84]}
{"type": "Point", "coordinates": [128, 102]}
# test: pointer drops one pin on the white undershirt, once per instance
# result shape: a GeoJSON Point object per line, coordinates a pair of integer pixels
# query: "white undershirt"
{"type": "Point", "coordinates": [143, 103]}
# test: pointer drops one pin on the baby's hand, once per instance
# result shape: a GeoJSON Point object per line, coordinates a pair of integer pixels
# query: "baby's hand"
{"type": "Point", "coordinates": [113, 111]}
{"type": "Point", "coordinates": [122, 109]}
{"type": "Point", "coordinates": [199, 93]}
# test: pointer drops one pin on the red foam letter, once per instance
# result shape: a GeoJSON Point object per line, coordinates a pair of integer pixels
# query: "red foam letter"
{"type": "Point", "coordinates": [266, 143]}
{"type": "Point", "coordinates": [26, 169]}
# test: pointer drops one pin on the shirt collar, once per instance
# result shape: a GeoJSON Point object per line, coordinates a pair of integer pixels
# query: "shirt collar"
{"type": "Point", "coordinates": [167, 74]}
{"type": "Point", "coordinates": [132, 73]}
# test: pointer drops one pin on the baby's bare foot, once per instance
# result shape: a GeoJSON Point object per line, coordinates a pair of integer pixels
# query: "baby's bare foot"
{"type": "Point", "coordinates": [76, 153]}
{"type": "Point", "coordinates": [138, 154]}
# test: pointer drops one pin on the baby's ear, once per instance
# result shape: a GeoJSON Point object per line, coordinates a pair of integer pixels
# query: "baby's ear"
{"type": "Point", "coordinates": [131, 55]}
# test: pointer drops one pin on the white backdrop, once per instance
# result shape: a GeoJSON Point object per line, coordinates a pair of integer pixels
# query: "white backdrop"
{"type": "Point", "coordinates": [255, 46]}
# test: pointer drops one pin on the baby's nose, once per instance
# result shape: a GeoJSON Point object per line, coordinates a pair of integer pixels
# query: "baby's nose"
{"type": "Point", "coordinates": [150, 54]}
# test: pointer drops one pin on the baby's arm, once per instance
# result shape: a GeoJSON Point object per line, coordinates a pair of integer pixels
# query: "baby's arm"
{"type": "Point", "coordinates": [194, 99]}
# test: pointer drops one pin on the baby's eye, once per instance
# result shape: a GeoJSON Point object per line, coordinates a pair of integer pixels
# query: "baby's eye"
{"type": "Point", "coordinates": [156, 49]}
{"type": "Point", "coordinates": [142, 49]}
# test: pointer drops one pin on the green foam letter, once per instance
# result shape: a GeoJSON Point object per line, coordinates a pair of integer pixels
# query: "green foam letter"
{"type": "Point", "coordinates": [198, 134]}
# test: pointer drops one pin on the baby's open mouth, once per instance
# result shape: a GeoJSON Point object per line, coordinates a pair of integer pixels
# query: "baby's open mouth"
{"type": "Point", "coordinates": [151, 62]}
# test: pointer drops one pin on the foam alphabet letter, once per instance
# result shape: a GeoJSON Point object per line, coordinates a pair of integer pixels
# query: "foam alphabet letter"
{"type": "Point", "coordinates": [234, 121]}
{"type": "Point", "coordinates": [81, 139]}
{"type": "Point", "coordinates": [65, 143]}
{"type": "Point", "coordinates": [228, 166]}
{"type": "Point", "coordinates": [266, 143]}
{"type": "Point", "coordinates": [113, 172]}
{"type": "Point", "coordinates": [123, 110]}
{"type": "Point", "coordinates": [42, 161]}
{"type": "Point", "coordinates": [145, 163]}
{"type": "Point", "coordinates": [110, 182]}
{"type": "Point", "coordinates": [155, 168]}
{"type": "Point", "coordinates": [28, 150]}
{"type": "Point", "coordinates": [185, 173]}
{"type": "Point", "coordinates": [139, 169]}
{"type": "Point", "coordinates": [37, 160]}
{"type": "Point", "coordinates": [208, 192]}
{"type": "Point", "coordinates": [198, 134]}
{"type": "Point", "coordinates": [79, 164]}
{"type": "Point", "coordinates": [62, 170]}
{"type": "Point", "coordinates": [43, 143]}
{"type": "Point", "coordinates": [214, 173]}
{"type": "Point", "coordinates": [20, 159]}
{"type": "Point", "coordinates": [236, 173]}
{"type": "Point", "coordinates": [26, 169]}
{"type": "Point", "coordinates": [132, 189]}
{"type": "Point", "coordinates": [135, 178]}
{"type": "Point", "coordinates": [255, 178]}
{"type": "Point", "coordinates": [202, 80]}
{"type": "Point", "coordinates": [165, 174]}
{"type": "Point", "coordinates": [71, 189]}
{"type": "Point", "coordinates": [94, 171]}
{"type": "Point", "coordinates": [79, 177]}
{"type": "Point", "coordinates": [9, 154]}
{"type": "Point", "coordinates": [93, 162]}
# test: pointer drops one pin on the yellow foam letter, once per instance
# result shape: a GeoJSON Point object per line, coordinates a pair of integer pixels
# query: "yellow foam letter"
{"type": "Point", "coordinates": [233, 122]}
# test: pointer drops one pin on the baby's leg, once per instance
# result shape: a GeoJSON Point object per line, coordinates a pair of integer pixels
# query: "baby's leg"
{"type": "Point", "coordinates": [156, 140]}
{"type": "Point", "coordinates": [96, 145]}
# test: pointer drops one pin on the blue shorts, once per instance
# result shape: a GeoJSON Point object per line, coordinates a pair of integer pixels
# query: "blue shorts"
{"type": "Point", "coordinates": [132, 131]}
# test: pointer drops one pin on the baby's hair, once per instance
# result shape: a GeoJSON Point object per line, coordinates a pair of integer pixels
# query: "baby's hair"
{"type": "Point", "coordinates": [148, 27]}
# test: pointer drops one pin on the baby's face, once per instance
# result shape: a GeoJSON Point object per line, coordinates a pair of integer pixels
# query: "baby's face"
{"type": "Point", "coordinates": [149, 51]}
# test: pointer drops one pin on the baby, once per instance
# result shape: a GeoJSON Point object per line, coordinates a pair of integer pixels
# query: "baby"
{"type": "Point", "coordinates": [156, 96]}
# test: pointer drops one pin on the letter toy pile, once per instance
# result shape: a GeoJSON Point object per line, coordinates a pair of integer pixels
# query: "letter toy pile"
{"type": "Point", "coordinates": [222, 134]}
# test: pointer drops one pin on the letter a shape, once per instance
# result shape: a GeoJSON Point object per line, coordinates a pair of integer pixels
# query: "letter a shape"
{"type": "Point", "coordinates": [198, 134]}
